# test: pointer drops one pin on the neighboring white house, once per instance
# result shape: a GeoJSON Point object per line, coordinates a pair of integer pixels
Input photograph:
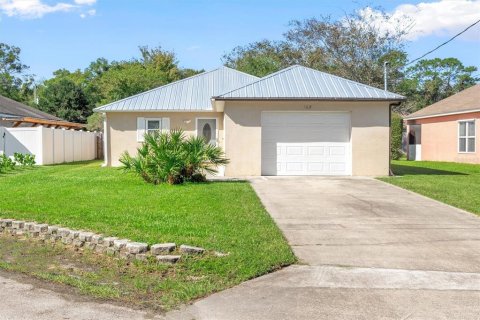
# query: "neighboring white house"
{"type": "Point", "coordinates": [297, 121]}
{"type": "Point", "coordinates": [52, 140]}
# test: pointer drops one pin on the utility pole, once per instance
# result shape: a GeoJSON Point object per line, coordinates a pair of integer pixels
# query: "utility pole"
{"type": "Point", "coordinates": [385, 75]}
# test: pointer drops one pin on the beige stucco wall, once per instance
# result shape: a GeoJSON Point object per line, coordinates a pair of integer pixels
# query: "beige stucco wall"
{"type": "Point", "coordinates": [369, 134]}
{"type": "Point", "coordinates": [440, 138]}
{"type": "Point", "coordinates": [121, 128]}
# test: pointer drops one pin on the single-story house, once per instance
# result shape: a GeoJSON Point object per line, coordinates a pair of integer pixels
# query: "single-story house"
{"type": "Point", "coordinates": [447, 129]}
{"type": "Point", "coordinates": [16, 114]}
{"type": "Point", "coordinates": [297, 121]}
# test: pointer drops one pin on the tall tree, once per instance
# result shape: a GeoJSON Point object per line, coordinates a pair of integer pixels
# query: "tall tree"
{"type": "Point", "coordinates": [353, 47]}
{"type": "Point", "coordinates": [262, 58]}
{"type": "Point", "coordinates": [429, 81]}
{"type": "Point", "coordinates": [14, 83]}
{"type": "Point", "coordinates": [65, 99]}
{"type": "Point", "coordinates": [156, 67]}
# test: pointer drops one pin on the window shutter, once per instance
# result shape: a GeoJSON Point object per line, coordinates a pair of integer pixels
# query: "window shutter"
{"type": "Point", "coordinates": [165, 124]}
{"type": "Point", "coordinates": [140, 129]}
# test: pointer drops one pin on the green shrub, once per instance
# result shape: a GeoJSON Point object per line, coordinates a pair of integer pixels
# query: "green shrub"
{"type": "Point", "coordinates": [29, 160]}
{"type": "Point", "coordinates": [173, 158]}
{"type": "Point", "coordinates": [396, 131]}
{"type": "Point", "coordinates": [6, 163]}
{"type": "Point", "coordinates": [24, 159]}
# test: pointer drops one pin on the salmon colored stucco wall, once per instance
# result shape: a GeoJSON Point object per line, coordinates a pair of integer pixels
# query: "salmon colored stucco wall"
{"type": "Point", "coordinates": [121, 129]}
{"type": "Point", "coordinates": [440, 138]}
{"type": "Point", "coordinates": [369, 133]}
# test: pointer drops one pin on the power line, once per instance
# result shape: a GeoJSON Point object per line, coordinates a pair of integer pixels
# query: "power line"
{"type": "Point", "coordinates": [441, 45]}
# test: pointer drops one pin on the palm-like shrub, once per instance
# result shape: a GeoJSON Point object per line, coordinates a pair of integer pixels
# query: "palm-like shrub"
{"type": "Point", "coordinates": [171, 157]}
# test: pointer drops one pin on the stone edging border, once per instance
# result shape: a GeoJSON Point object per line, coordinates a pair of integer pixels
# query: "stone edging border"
{"type": "Point", "coordinates": [112, 246]}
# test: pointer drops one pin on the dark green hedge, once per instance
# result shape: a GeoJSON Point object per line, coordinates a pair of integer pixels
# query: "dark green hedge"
{"type": "Point", "coordinates": [396, 136]}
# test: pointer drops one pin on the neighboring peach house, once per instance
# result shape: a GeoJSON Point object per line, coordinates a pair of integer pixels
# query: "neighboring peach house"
{"type": "Point", "coordinates": [446, 130]}
{"type": "Point", "coordinates": [297, 121]}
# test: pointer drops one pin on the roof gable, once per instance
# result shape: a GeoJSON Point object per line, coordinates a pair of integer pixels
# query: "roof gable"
{"type": "Point", "coordinates": [298, 82]}
{"type": "Point", "coordinates": [189, 94]}
{"type": "Point", "coordinates": [461, 102]}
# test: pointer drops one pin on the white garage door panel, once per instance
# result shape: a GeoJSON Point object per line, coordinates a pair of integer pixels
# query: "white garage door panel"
{"type": "Point", "coordinates": [305, 143]}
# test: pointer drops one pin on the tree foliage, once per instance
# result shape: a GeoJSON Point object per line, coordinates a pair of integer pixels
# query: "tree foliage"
{"type": "Point", "coordinates": [14, 82]}
{"type": "Point", "coordinates": [103, 82]}
{"type": "Point", "coordinates": [354, 47]}
{"type": "Point", "coordinates": [429, 81]}
{"type": "Point", "coordinates": [65, 99]}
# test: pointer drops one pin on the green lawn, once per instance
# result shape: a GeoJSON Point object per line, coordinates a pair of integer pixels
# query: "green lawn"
{"type": "Point", "coordinates": [456, 184]}
{"type": "Point", "coordinates": [221, 216]}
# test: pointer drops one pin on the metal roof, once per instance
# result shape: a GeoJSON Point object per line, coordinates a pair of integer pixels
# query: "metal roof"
{"type": "Point", "coordinates": [190, 94]}
{"type": "Point", "coordinates": [298, 82]}
{"type": "Point", "coordinates": [464, 101]}
{"type": "Point", "coordinates": [12, 108]}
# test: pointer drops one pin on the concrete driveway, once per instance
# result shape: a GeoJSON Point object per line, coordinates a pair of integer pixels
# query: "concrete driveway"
{"type": "Point", "coordinates": [369, 250]}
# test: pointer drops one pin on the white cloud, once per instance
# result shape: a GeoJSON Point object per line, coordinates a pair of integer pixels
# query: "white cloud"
{"type": "Point", "coordinates": [85, 2]}
{"type": "Point", "coordinates": [32, 9]}
{"type": "Point", "coordinates": [444, 17]}
{"type": "Point", "coordinates": [91, 12]}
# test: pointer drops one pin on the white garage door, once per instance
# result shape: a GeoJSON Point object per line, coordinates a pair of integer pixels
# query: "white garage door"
{"type": "Point", "coordinates": [306, 143]}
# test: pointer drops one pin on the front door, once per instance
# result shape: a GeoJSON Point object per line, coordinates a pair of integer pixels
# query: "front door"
{"type": "Point", "coordinates": [207, 128]}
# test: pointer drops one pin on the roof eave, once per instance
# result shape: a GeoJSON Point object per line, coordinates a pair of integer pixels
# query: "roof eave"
{"type": "Point", "coordinates": [307, 99]}
{"type": "Point", "coordinates": [155, 110]}
{"type": "Point", "coordinates": [441, 114]}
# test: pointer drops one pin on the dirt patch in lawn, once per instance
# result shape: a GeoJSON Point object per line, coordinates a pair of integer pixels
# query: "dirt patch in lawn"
{"type": "Point", "coordinates": [139, 285]}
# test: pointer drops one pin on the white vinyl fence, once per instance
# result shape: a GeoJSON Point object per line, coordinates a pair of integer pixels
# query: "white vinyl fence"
{"type": "Point", "coordinates": [49, 145]}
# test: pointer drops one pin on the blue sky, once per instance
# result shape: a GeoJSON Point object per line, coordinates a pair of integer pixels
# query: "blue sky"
{"type": "Point", "coordinates": [72, 33]}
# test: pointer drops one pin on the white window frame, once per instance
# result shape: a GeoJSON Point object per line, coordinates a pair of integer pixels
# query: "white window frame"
{"type": "Point", "coordinates": [153, 119]}
{"type": "Point", "coordinates": [217, 131]}
{"type": "Point", "coordinates": [467, 136]}
{"type": "Point", "coordinates": [162, 126]}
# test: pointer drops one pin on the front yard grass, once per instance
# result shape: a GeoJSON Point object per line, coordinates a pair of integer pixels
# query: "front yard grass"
{"type": "Point", "coordinates": [457, 184]}
{"type": "Point", "coordinates": [219, 216]}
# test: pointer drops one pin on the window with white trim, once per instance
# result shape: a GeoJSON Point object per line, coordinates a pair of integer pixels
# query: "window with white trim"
{"type": "Point", "coordinates": [153, 125]}
{"type": "Point", "coordinates": [466, 136]}
{"type": "Point", "coordinates": [156, 124]}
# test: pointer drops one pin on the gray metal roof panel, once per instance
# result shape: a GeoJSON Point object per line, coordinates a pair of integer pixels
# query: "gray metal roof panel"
{"type": "Point", "coordinates": [15, 108]}
{"type": "Point", "coordinates": [298, 82]}
{"type": "Point", "coordinates": [190, 94]}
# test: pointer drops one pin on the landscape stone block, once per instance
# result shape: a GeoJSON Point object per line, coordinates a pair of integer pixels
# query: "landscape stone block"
{"type": "Point", "coordinates": [6, 223]}
{"type": "Point", "coordinates": [18, 224]}
{"type": "Point", "coordinates": [120, 244]}
{"type": "Point", "coordinates": [167, 259]}
{"type": "Point", "coordinates": [52, 229]}
{"type": "Point", "coordinates": [97, 238]}
{"type": "Point", "coordinates": [29, 226]}
{"type": "Point", "coordinates": [191, 250]}
{"type": "Point", "coordinates": [108, 241]}
{"type": "Point", "coordinates": [85, 236]}
{"type": "Point", "coordinates": [160, 248]}
{"type": "Point", "coordinates": [136, 247]}
{"type": "Point", "coordinates": [40, 227]}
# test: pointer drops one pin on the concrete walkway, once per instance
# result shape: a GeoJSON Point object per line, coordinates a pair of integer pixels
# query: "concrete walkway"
{"type": "Point", "coordinates": [370, 251]}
